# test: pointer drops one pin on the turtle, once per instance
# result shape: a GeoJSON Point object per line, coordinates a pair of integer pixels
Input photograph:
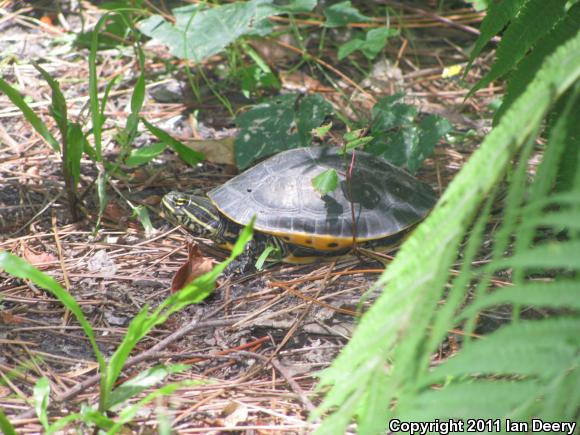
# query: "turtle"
{"type": "Point", "coordinates": [294, 217]}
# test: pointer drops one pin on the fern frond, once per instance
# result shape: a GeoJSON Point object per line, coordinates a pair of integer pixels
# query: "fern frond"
{"type": "Point", "coordinates": [498, 16]}
{"type": "Point", "coordinates": [528, 67]}
{"type": "Point", "coordinates": [396, 326]}
{"type": "Point", "coordinates": [476, 399]}
{"type": "Point", "coordinates": [509, 351]}
{"type": "Point", "coordinates": [534, 20]}
{"type": "Point", "coordinates": [563, 294]}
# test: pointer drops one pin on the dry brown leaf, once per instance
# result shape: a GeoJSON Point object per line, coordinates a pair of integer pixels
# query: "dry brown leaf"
{"type": "Point", "coordinates": [10, 319]}
{"type": "Point", "coordinates": [38, 259]}
{"type": "Point", "coordinates": [195, 266]}
{"type": "Point", "coordinates": [220, 151]}
{"type": "Point", "coordinates": [153, 200]}
{"type": "Point", "coordinates": [114, 212]}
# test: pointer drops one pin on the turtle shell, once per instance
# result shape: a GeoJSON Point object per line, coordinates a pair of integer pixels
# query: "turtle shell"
{"type": "Point", "coordinates": [383, 199]}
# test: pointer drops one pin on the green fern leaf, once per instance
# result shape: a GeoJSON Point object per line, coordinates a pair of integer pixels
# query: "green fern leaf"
{"type": "Point", "coordinates": [498, 16]}
{"type": "Point", "coordinates": [548, 255]}
{"type": "Point", "coordinates": [536, 18]}
{"type": "Point", "coordinates": [415, 280]}
{"type": "Point", "coordinates": [478, 399]}
{"type": "Point", "coordinates": [527, 68]}
{"type": "Point", "coordinates": [509, 351]}
{"type": "Point", "coordinates": [558, 294]}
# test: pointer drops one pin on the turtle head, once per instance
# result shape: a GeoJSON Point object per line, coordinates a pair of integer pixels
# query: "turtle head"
{"type": "Point", "coordinates": [195, 212]}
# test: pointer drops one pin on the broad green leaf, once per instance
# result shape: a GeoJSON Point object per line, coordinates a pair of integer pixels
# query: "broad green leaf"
{"type": "Point", "coordinates": [325, 182]}
{"type": "Point", "coordinates": [140, 156]}
{"type": "Point", "coordinates": [29, 114]}
{"type": "Point", "coordinates": [200, 32]}
{"type": "Point", "coordinates": [311, 112]}
{"type": "Point", "coordinates": [188, 155]}
{"type": "Point", "coordinates": [278, 124]}
{"type": "Point", "coordinates": [41, 396]}
{"type": "Point", "coordinates": [431, 130]}
{"type": "Point", "coordinates": [350, 47]}
{"type": "Point", "coordinates": [376, 40]}
{"type": "Point", "coordinates": [343, 13]}
{"type": "Point", "coordinates": [295, 6]}
{"type": "Point", "coordinates": [389, 113]}
{"type": "Point", "coordinates": [399, 138]}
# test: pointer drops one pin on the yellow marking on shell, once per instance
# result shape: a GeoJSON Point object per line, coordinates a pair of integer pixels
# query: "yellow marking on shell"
{"type": "Point", "coordinates": [320, 242]}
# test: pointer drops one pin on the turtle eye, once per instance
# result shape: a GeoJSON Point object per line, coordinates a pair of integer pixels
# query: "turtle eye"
{"type": "Point", "coordinates": [180, 201]}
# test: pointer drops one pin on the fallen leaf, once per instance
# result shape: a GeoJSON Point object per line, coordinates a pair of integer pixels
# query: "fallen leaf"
{"type": "Point", "coordinates": [114, 212]}
{"type": "Point", "coordinates": [152, 200]}
{"type": "Point", "coordinates": [38, 259]}
{"type": "Point", "coordinates": [220, 151]}
{"type": "Point", "coordinates": [195, 266]}
{"type": "Point", "coordinates": [10, 319]}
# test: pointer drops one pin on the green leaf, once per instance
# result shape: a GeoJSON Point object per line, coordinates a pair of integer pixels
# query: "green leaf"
{"type": "Point", "coordinates": [196, 291]}
{"type": "Point", "coordinates": [140, 156]}
{"type": "Point", "coordinates": [478, 399]}
{"type": "Point", "coordinates": [376, 40]}
{"type": "Point", "coordinates": [19, 268]}
{"type": "Point", "coordinates": [76, 143]}
{"type": "Point", "coordinates": [535, 19]}
{"type": "Point", "coordinates": [29, 114]}
{"type": "Point", "coordinates": [143, 381]}
{"type": "Point", "coordinates": [393, 332]}
{"type": "Point", "coordinates": [527, 68]}
{"type": "Point", "coordinates": [509, 351]}
{"type": "Point", "coordinates": [41, 396]}
{"type": "Point", "coordinates": [141, 213]}
{"type": "Point", "coordinates": [200, 32]}
{"type": "Point", "coordinates": [278, 124]}
{"type": "Point", "coordinates": [5, 425]}
{"type": "Point", "coordinates": [188, 155]}
{"type": "Point", "coordinates": [295, 6]}
{"type": "Point", "coordinates": [497, 17]}
{"type": "Point", "coordinates": [265, 255]}
{"type": "Point", "coordinates": [358, 143]}
{"type": "Point", "coordinates": [343, 13]}
{"type": "Point", "coordinates": [389, 113]}
{"type": "Point", "coordinates": [431, 130]}
{"type": "Point", "coordinates": [128, 413]}
{"type": "Point", "coordinates": [322, 131]}
{"type": "Point", "coordinates": [58, 108]}
{"type": "Point", "coordinates": [546, 256]}
{"type": "Point", "coordinates": [325, 182]}
{"type": "Point", "coordinates": [350, 47]}
{"type": "Point", "coordinates": [561, 294]}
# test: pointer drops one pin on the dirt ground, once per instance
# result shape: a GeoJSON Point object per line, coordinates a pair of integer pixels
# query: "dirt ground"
{"type": "Point", "coordinates": [257, 343]}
